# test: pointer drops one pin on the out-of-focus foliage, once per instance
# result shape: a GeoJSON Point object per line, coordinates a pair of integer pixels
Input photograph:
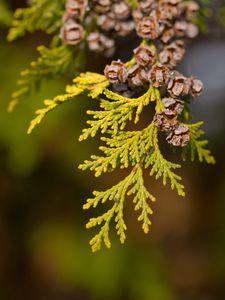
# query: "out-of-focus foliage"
{"type": "Point", "coordinates": [56, 60]}
{"type": "Point", "coordinates": [53, 61]}
{"type": "Point", "coordinates": [5, 13]}
{"type": "Point", "coordinates": [222, 15]}
{"type": "Point", "coordinates": [197, 146]}
{"type": "Point", "coordinates": [206, 12]}
{"type": "Point", "coordinates": [40, 15]}
{"type": "Point", "coordinates": [203, 15]}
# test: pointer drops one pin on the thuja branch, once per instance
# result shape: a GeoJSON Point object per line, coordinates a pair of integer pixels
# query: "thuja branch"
{"type": "Point", "coordinates": [40, 15]}
{"type": "Point", "coordinates": [116, 111]}
{"type": "Point", "coordinates": [91, 83]}
{"type": "Point", "coordinates": [149, 78]}
{"type": "Point", "coordinates": [133, 184]}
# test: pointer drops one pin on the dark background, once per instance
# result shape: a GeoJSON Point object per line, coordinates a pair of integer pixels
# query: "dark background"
{"type": "Point", "coordinates": [44, 252]}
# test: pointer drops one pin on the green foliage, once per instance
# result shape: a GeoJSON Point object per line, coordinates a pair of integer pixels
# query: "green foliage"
{"type": "Point", "coordinates": [91, 82]}
{"type": "Point", "coordinates": [162, 168]}
{"type": "Point", "coordinates": [40, 15]}
{"type": "Point", "coordinates": [137, 149]}
{"type": "Point", "coordinates": [133, 184]}
{"type": "Point", "coordinates": [116, 112]}
{"type": "Point", "coordinates": [197, 146]}
{"type": "Point", "coordinates": [124, 149]}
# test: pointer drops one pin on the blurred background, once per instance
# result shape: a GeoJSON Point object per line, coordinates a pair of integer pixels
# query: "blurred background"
{"type": "Point", "coordinates": [44, 252]}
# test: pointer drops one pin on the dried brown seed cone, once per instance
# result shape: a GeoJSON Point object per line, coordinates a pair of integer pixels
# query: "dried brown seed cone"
{"type": "Point", "coordinates": [137, 15]}
{"type": "Point", "coordinates": [124, 28]}
{"type": "Point", "coordinates": [109, 45]}
{"type": "Point", "coordinates": [186, 29]}
{"type": "Point", "coordinates": [94, 42]}
{"type": "Point", "coordinates": [145, 55]}
{"type": "Point", "coordinates": [179, 86]}
{"type": "Point", "coordinates": [180, 136]}
{"type": "Point", "coordinates": [170, 2]}
{"type": "Point", "coordinates": [146, 5]}
{"type": "Point", "coordinates": [181, 27]}
{"type": "Point", "coordinates": [98, 43]}
{"type": "Point", "coordinates": [102, 6]}
{"type": "Point", "coordinates": [72, 33]}
{"type": "Point", "coordinates": [76, 8]}
{"type": "Point", "coordinates": [192, 31]}
{"type": "Point", "coordinates": [167, 35]}
{"type": "Point", "coordinates": [159, 75]}
{"type": "Point", "coordinates": [116, 72]}
{"type": "Point", "coordinates": [148, 28]}
{"type": "Point", "coordinates": [136, 77]}
{"type": "Point", "coordinates": [166, 120]}
{"type": "Point", "coordinates": [107, 21]}
{"type": "Point", "coordinates": [170, 9]}
{"type": "Point", "coordinates": [163, 16]}
{"type": "Point", "coordinates": [173, 104]}
{"type": "Point", "coordinates": [196, 87]}
{"type": "Point", "coordinates": [121, 10]}
{"type": "Point", "coordinates": [172, 54]}
{"type": "Point", "coordinates": [190, 8]}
